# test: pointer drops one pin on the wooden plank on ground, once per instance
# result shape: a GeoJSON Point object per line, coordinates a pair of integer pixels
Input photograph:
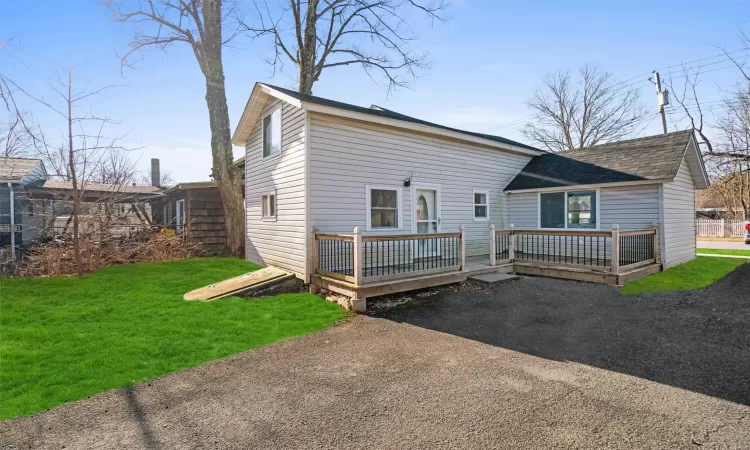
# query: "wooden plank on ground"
{"type": "Point", "coordinates": [252, 280]}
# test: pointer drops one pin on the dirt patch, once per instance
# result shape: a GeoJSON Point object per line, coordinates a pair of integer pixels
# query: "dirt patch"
{"type": "Point", "coordinates": [413, 299]}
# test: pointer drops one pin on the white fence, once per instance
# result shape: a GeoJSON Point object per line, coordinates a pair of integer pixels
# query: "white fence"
{"type": "Point", "coordinates": [720, 227]}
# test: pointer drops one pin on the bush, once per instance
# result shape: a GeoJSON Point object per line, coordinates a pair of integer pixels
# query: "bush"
{"type": "Point", "coordinates": [56, 256]}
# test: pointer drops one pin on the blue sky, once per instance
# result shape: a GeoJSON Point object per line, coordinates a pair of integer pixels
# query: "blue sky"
{"type": "Point", "coordinates": [487, 60]}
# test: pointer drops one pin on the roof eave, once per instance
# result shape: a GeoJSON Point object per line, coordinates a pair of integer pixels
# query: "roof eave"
{"type": "Point", "coordinates": [590, 186]}
{"type": "Point", "coordinates": [250, 115]}
{"type": "Point", "coordinates": [249, 118]}
{"type": "Point", "coordinates": [704, 173]}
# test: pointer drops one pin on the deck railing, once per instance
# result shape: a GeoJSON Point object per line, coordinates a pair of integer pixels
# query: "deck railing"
{"type": "Point", "coordinates": [359, 259]}
{"type": "Point", "coordinates": [562, 248]}
{"type": "Point", "coordinates": [610, 251]}
{"type": "Point", "coordinates": [637, 248]}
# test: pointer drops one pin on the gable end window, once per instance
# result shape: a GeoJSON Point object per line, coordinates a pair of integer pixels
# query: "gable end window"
{"type": "Point", "coordinates": [383, 208]}
{"type": "Point", "coordinates": [272, 133]}
{"type": "Point", "coordinates": [570, 209]}
{"type": "Point", "coordinates": [481, 205]}
{"type": "Point", "coordinates": [268, 206]}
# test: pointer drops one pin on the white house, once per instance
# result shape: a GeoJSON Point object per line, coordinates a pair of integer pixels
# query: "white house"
{"type": "Point", "coordinates": [315, 165]}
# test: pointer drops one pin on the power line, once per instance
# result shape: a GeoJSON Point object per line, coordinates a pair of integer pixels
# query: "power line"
{"type": "Point", "coordinates": [508, 124]}
{"type": "Point", "coordinates": [629, 82]}
{"type": "Point", "coordinates": [647, 125]}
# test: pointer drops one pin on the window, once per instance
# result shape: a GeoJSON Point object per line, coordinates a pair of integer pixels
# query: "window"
{"type": "Point", "coordinates": [268, 206]}
{"type": "Point", "coordinates": [383, 208]}
{"type": "Point", "coordinates": [272, 133]}
{"type": "Point", "coordinates": [481, 205]}
{"type": "Point", "coordinates": [573, 209]}
{"type": "Point", "coordinates": [582, 209]}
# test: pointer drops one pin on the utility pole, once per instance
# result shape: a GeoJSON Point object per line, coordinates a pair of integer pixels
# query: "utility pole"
{"type": "Point", "coordinates": [662, 99]}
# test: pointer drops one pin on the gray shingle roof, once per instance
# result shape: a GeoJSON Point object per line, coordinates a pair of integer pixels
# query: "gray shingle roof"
{"type": "Point", "coordinates": [101, 187]}
{"type": "Point", "coordinates": [382, 112]}
{"type": "Point", "coordinates": [13, 169]}
{"type": "Point", "coordinates": [649, 158]}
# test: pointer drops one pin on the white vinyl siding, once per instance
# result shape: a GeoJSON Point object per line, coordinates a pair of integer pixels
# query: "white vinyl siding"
{"type": "Point", "coordinates": [280, 242]}
{"type": "Point", "coordinates": [631, 207]}
{"type": "Point", "coordinates": [346, 156]}
{"type": "Point", "coordinates": [679, 218]}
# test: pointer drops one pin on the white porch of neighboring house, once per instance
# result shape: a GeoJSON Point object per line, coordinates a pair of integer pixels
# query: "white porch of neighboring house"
{"type": "Point", "coordinates": [361, 266]}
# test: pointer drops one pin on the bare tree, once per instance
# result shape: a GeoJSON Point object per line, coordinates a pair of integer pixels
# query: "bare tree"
{"type": "Point", "coordinates": [165, 178]}
{"type": "Point", "coordinates": [316, 35]}
{"type": "Point", "coordinates": [724, 131]}
{"type": "Point", "coordinates": [734, 154]}
{"type": "Point", "coordinates": [578, 114]}
{"type": "Point", "coordinates": [199, 24]}
{"type": "Point", "coordinates": [83, 149]}
{"type": "Point", "coordinates": [115, 167]}
{"type": "Point", "coordinates": [15, 142]}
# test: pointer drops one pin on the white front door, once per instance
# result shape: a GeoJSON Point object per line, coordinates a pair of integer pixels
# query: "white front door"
{"type": "Point", "coordinates": [427, 219]}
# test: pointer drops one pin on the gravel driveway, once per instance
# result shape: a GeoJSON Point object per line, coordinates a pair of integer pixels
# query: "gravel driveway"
{"type": "Point", "coordinates": [534, 363]}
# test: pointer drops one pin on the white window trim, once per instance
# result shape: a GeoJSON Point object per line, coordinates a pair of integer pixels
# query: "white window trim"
{"type": "Point", "coordinates": [263, 133]}
{"type": "Point", "coordinates": [582, 230]}
{"type": "Point", "coordinates": [399, 207]}
{"type": "Point", "coordinates": [264, 218]}
{"type": "Point", "coordinates": [179, 221]}
{"type": "Point", "coordinates": [474, 205]}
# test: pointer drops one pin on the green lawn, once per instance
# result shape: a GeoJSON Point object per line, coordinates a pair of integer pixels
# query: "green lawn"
{"type": "Point", "coordinates": [698, 273]}
{"type": "Point", "coordinates": [713, 251]}
{"type": "Point", "coordinates": [63, 339]}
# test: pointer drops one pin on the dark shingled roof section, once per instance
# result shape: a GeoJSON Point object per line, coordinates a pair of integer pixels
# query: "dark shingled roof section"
{"type": "Point", "coordinates": [16, 168]}
{"type": "Point", "coordinates": [649, 158]}
{"type": "Point", "coordinates": [382, 112]}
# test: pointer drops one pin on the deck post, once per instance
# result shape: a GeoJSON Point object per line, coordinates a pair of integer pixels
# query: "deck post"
{"type": "Point", "coordinates": [314, 251]}
{"type": "Point", "coordinates": [493, 249]}
{"type": "Point", "coordinates": [615, 248]}
{"type": "Point", "coordinates": [462, 248]}
{"type": "Point", "coordinates": [512, 244]}
{"type": "Point", "coordinates": [657, 244]}
{"type": "Point", "coordinates": [357, 257]}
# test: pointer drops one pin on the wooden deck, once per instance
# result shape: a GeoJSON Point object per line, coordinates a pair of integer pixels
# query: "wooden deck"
{"type": "Point", "coordinates": [359, 266]}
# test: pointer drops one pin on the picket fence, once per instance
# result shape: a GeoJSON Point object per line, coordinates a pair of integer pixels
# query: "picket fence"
{"type": "Point", "coordinates": [720, 227]}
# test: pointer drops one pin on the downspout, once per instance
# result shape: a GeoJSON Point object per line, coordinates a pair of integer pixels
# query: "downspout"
{"type": "Point", "coordinates": [12, 223]}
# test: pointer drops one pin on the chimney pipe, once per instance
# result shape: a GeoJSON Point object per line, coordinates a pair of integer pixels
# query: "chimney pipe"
{"type": "Point", "coordinates": [155, 175]}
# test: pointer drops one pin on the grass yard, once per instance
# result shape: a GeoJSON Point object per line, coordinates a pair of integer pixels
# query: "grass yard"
{"type": "Point", "coordinates": [696, 274]}
{"type": "Point", "coordinates": [714, 251]}
{"type": "Point", "coordinates": [64, 339]}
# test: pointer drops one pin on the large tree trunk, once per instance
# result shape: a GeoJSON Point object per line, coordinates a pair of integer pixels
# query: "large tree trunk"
{"type": "Point", "coordinates": [227, 176]}
{"type": "Point", "coordinates": [307, 56]}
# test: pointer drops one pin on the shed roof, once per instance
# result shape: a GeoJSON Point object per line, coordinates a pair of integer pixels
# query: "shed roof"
{"type": "Point", "coordinates": [103, 187]}
{"type": "Point", "coordinates": [192, 185]}
{"type": "Point", "coordinates": [13, 169]}
{"type": "Point", "coordinates": [649, 158]}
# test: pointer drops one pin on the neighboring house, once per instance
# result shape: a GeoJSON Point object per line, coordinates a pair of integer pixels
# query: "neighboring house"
{"type": "Point", "coordinates": [709, 205]}
{"type": "Point", "coordinates": [313, 163]}
{"type": "Point", "coordinates": [198, 208]}
{"type": "Point", "coordinates": [124, 208]}
{"type": "Point", "coordinates": [20, 217]}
